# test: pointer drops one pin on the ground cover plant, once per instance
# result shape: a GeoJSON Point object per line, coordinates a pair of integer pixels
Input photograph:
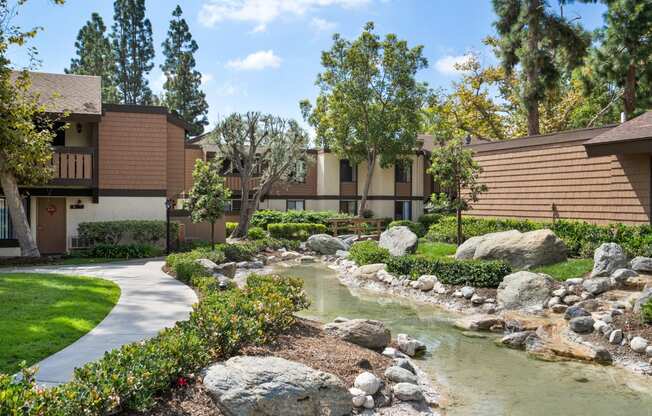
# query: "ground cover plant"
{"type": "Point", "coordinates": [568, 269]}
{"type": "Point", "coordinates": [368, 252]}
{"type": "Point", "coordinates": [43, 313]}
{"type": "Point", "coordinates": [435, 250]}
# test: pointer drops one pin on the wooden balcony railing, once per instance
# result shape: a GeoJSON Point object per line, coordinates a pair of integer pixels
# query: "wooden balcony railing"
{"type": "Point", "coordinates": [235, 184]}
{"type": "Point", "coordinates": [73, 166]}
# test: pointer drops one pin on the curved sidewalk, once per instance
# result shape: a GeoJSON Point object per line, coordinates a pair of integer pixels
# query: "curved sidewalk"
{"type": "Point", "coordinates": [149, 301]}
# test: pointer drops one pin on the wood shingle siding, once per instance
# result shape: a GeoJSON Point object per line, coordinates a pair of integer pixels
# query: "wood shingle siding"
{"type": "Point", "coordinates": [176, 160]}
{"type": "Point", "coordinates": [526, 182]}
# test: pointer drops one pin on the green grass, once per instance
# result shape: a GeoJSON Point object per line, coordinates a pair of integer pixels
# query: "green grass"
{"type": "Point", "coordinates": [436, 250]}
{"type": "Point", "coordinates": [568, 269]}
{"type": "Point", "coordinates": [42, 313]}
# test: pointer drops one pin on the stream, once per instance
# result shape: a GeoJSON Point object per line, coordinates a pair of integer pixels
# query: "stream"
{"type": "Point", "coordinates": [478, 377]}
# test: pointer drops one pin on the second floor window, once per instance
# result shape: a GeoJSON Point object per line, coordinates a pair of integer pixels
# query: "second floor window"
{"type": "Point", "coordinates": [298, 174]}
{"type": "Point", "coordinates": [347, 171]}
{"type": "Point", "coordinates": [403, 172]}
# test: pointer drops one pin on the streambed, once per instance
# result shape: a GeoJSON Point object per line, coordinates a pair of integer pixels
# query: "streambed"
{"type": "Point", "coordinates": [479, 377]}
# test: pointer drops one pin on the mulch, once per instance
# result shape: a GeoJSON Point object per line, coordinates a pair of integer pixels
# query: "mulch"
{"type": "Point", "coordinates": [305, 343]}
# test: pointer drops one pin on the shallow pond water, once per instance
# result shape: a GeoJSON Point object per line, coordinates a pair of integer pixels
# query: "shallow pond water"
{"type": "Point", "coordinates": [479, 377]}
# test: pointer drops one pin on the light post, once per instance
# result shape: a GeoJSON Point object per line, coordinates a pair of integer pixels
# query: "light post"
{"type": "Point", "coordinates": [169, 203]}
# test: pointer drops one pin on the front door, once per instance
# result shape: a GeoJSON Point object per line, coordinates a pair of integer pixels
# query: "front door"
{"type": "Point", "coordinates": [51, 225]}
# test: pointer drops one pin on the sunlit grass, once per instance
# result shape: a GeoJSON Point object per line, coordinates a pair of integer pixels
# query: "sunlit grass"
{"type": "Point", "coordinates": [568, 269]}
{"type": "Point", "coordinates": [436, 250]}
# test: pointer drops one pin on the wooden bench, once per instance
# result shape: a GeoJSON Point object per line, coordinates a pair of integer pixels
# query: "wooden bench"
{"type": "Point", "coordinates": [358, 226]}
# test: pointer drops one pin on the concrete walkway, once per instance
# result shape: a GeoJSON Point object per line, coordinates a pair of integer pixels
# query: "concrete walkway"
{"type": "Point", "coordinates": [150, 300]}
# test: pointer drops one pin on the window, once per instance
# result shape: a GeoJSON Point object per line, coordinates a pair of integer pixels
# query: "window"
{"type": "Point", "coordinates": [298, 174]}
{"type": "Point", "coordinates": [60, 138]}
{"type": "Point", "coordinates": [349, 207]}
{"type": "Point", "coordinates": [233, 205]}
{"type": "Point", "coordinates": [347, 172]}
{"type": "Point", "coordinates": [296, 205]}
{"type": "Point", "coordinates": [210, 156]}
{"type": "Point", "coordinates": [403, 172]}
{"type": "Point", "coordinates": [403, 210]}
{"type": "Point", "coordinates": [6, 231]}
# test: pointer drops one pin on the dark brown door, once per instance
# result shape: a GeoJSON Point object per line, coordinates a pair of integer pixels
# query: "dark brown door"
{"type": "Point", "coordinates": [51, 225]}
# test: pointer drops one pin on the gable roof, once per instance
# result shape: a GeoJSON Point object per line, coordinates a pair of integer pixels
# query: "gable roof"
{"type": "Point", "coordinates": [77, 94]}
{"type": "Point", "coordinates": [635, 129]}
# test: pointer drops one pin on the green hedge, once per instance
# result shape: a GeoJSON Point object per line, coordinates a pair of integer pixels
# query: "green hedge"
{"type": "Point", "coordinates": [263, 218]}
{"type": "Point", "coordinates": [124, 251]}
{"type": "Point", "coordinates": [646, 312]}
{"type": "Point", "coordinates": [452, 272]}
{"type": "Point", "coordinates": [428, 219]}
{"type": "Point", "coordinates": [368, 252]}
{"type": "Point", "coordinates": [581, 238]}
{"type": "Point", "coordinates": [130, 378]}
{"type": "Point", "coordinates": [256, 233]}
{"type": "Point", "coordinates": [116, 232]}
{"type": "Point", "coordinates": [416, 227]}
{"type": "Point", "coordinates": [295, 231]}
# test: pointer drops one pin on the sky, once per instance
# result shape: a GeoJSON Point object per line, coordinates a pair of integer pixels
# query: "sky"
{"type": "Point", "coordinates": [264, 55]}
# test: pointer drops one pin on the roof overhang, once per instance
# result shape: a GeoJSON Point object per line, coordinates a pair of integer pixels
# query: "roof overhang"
{"type": "Point", "coordinates": [639, 146]}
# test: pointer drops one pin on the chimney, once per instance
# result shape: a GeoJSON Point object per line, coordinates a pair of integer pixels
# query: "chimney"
{"type": "Point", "coordinates": [623, 117]}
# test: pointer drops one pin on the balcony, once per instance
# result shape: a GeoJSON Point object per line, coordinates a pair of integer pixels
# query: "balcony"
{"type": "Point", "coordinates": [234, 183]}
{"type": "Point", "coordinates": [73, 166]}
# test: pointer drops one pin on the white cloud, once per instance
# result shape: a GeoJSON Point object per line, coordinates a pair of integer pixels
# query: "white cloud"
{"type": "Point", "coordinates": [229, 89]}
{"type": "Point", "coordinates": [206, 77]}
{"type": "Point", "coordinates": [262, 12]}
{"type": "Point", "coordinates": [322, 25]}
{"type": "Point", "coordinates": [256, 61]}
{"type": "Point", "coordinates": [446, 65]}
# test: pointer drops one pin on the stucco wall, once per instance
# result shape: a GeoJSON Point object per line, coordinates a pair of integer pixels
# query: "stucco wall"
{"type": "Point", "coordinates": [9, 251]}
{"type": "Point", "coordinates": [328, 174]}
{"type": "Point", "coordinates": [78, 139]}
{"type": "Point", "coordinates": [322, 205]}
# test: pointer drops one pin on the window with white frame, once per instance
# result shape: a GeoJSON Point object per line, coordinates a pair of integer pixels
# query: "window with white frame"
{"type": "Point", "coordinates": [296, 205]}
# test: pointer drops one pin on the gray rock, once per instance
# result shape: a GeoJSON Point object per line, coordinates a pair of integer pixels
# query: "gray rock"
{"type": "Point", "coordinates": [524, 290]}
{"type": "Point", "coordinates": [409, 345]}
{"type": "Point", "coordinates": [643, 299]}
{"type": "Point", "coordinates": [608, 258]}
{"type": "Point", "coordinates": [467, 292]}
{"type": "Point", "coordinates": [398, 240]}
{"type": "Point", "coordinates": [343, 254]}
{"type": "Point", "coordinates": [400, 375]}
{"type": "Point", "coordinates": [521, 250]}
{"type": "Point", "coordinates": [571, 299]}
{"type": "Point", "coordinates": [208, 265]}
{"type": "Point", "coordinates": [477, 299]}
{"type": "Point", "coordinates": [325, 244]}
{"type": "Point", "coordinates": [616, 337]}
{"type": "Point", "coordinates": [641, 264]}
{"type": "Point", "coordinates": [252, 386]}
{"type": "Point", "coordinates": [560, 308]}
{"type": "Point", "coordinates": [358, 397]}
{"type": "Point", "coordinates": [368, 402]}
{"type": "Point", "coordinates": [424, 283]}
{"type": "Point", "coordinates": [405, 364]}
{"type": "Point", "coordinates": [227, 269]}
{"type": "Point", "coordinates": [517, 340]}
{"type": "Point", "coordinates": [307, 259]}
{"type": "Point", "coordinates": [367, 382]}
{"type": "Point", "coordinates": [575, 311]}
{"type": "Point", "coordinates": [561, 292]}
{"type": "Point", "coordinates": [599, 326]}
{"type": "Point", "coordinates": [589, 304]}
{"type": "Point", "coordinates": [620, 275]}
{"type": "Point", "coordinates": [597, 285]}
{"type": "Point", "coordinates": [574, 281]}
{"type": "Point", "coordinates": [582, 324]}
{"type": "Point", "coordinates": [638, 344]}
{"type": "Point", "coordinates": [407, 392]}
{"type": "Point", "coordinates": [554, 301]}
{"type": "Point", "coordinates": [648, 351]}
{"type": "Point", "coordinates": [366, 333]}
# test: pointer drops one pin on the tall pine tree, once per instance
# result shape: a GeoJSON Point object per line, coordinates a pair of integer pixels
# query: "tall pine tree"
{"type": "Point", "coordinates": [542, 44]}
{"type": "Point", "coordinates": [134, 51]}
{"type": "Point", "coordinates": [182, 86]}
{"type": "Point", "coordinates": [95, 57]}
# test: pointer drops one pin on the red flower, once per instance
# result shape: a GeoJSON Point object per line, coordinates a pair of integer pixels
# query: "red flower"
{"type": "Point", "coordinates": [181, 381]}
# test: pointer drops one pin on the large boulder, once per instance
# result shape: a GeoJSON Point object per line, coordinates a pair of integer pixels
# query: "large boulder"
{"type": "Point", "coordinates": [608, 258]}
{"type": "Point", "coordinates": [521, 250]}
{"type": "Point", "coordinates": [524, 290]}
{"type": "Point", "coordinates": [597, 285]}
{"type": "Point", "coordinates": [325, 244]}
{"type": "Point", "coordinates": [641, 264]}
{"type": "Point", "coordinates": [255, 386]}
{"type": "Point", "coordinates": [363, 332]}
{"type": "Point", "coordinates": [398, 240]}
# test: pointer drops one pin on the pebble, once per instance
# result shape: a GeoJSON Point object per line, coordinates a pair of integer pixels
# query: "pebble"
{"type": "Point", "coordinates": [357, 396]}
{"type": "Point", "coordinates": [555, 300]}
{"type": "Point", "coordinates": [560, 293]}
{"type": "Point", "coordinates": [571, 299]}
{"type": "Point", "coordinates": [582, 324]}
{"type": "Point", "coordinates": [648, 351]}
{"type": "Point", "coordinates": [477, 299]}
{"type": "Point", "coordinates": [559, 308]}
{"type": "Point", "coordinates": [574, 281]}
{"type": "Point", "coordinates": [616, 337]}
{"type": "Point", "coordinates": [368, 402]}
{"type": "Point", "coordinates": [467, 292]}
{"type": "Point", "coordinates": [638, 344]}
{"type": "Point", "coordinates": [575, 312]}
{"type": "Point", "coordinates": [367, 382]}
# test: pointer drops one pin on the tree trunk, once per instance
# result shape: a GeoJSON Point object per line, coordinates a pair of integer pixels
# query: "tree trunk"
{"type": "Point", "coordinates": [531, 104]}
{"type": "Point", "coordinates": [213, 235]}
{"type": "Point", "coordinates": [629, 96]}
{"type": "Point", "coordinates": [459, 213]}
{"type": "Point", "coordinates": [371, 164]}
{"type": "Point", "coordinates": [243, 221]}
{"type": "Point", "coordinates": [18, 216]}
{"type": "Point", "coordinates": [533, 119]}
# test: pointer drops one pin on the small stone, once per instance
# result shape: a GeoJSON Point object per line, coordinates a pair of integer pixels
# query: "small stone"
{"type": "Point", "coordinates": [560, 293]}
{"type": "Point", "coordinates": [489, 308]}
{"type": "Point", "coordinates": [307, 259]}
{"type": "Point", "coordinates": [405, 364]}
{"type": "Point", "coordinates": [367, 382]}
{"type": "Point", "coordinates": [458, 294]}
{"type": "Point", "coordinates": [621, 275]}
{"type": "Point", "coordinates": [517, 340]}
{"type": "Point", "coordinates": [575, 312]}
{"type": "Point", "coordinates": [597, 325]}
{"type": "Point", "coordinates": [616, 312]}
{"type": "Point", "coordinates": [589, 304]}
{"type": "Point", "coordinates": [357, 396]}
{"type": "Point", "coordinates": [638, 344]}
{"type": "Point", "coordinates": [571, 299]}
{"type": "Point", "coordinates": [368, 402]}
{"type": "Point", "coordinates": [477, 299]}
{"type": "Point", "coordinates": [586, 296]}
{"type": "Point", "coordinates": [555, 300]}
{"type": "Point", "coordinates": [407, 392]}
{"type": "Point", "coordinates": [409, 345]}
{"type": "Point", "coordinates": [648, 350]}
{"type": "Point", "coordinates": [606, 330]}
{"type": "Point", "coordinates": [616, 337]}
{"type": "Point", "coordinates": [581, 379]}
{"type": "Point", "coordinates": [440, 288]}
{"type": "Point", "coordinates": [392, 353]}
{"type": "Point", "coordinates": [467, 292]}
{"type": "Point", "coordinates": [559, 308]}
{"type": "Point", "coordinates": [400, 375]}
{"type": "Point", "coordinates": [574, 281]}
{"type": "Point", "coordinates": [582, 324]}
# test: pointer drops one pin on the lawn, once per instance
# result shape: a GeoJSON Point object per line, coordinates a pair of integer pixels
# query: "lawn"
{"type": "Point", "coordinates": [42, 313]}
{"type": "Point", "coordinates": [568, 269]}
{"type": "Point", "coordinates": [436, 250]}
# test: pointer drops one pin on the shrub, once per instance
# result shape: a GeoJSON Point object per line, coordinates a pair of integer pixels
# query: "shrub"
{"type": "Point", "coordinates": [368, 252]}
{"type": "Point", "coordinates": [646, 312]}
{"type": "Point", "coordinates": [115, 232]}
{"type": "Point", "coordinates": [295, 231]}
{"type": "Point", "coordinates": [428, 219]}
{"type": "Point", "coordinates": [256, 233]}
{"type": "Point", "coordinates": [230, 227]}
{"type": "Point", "coordinates": [416, 227]}
{"type": "Point", "coordinates": [124, 251]}
{"type": "Point", "coordinates": [263, 218]}
{"type": "Point", "coordinates": [129, 379]}
{"type": "Point", "coordinates": [449, 271]}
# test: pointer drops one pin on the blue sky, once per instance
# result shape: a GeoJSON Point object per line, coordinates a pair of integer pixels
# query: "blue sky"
{"type": "Point", "coordinates": [264, 54]}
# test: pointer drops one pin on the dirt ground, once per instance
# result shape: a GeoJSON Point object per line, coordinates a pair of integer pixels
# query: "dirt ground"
{"type": "Point", "coordinates": [305, 343]}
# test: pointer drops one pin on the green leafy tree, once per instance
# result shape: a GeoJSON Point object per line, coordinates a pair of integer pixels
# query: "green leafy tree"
{"type": "Point", "coordinates": [541, 45]}
{"type": "Point", "coordinates": [261, 150]}
{"type": "Point", "coordinates": [95, 57]}
{"type": "Point", "coordinates": [369, 106]}
{"type": "Point", "coordinates": [25, 130]}
{"type": "Point", "coordinates": [208, 198]}
{"type": "Point", "coordinates": [453, 168]}
{"type": "Point", "coordinates": [182, 86]}
{"type": "Point", "coordinates": [134, 51]}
